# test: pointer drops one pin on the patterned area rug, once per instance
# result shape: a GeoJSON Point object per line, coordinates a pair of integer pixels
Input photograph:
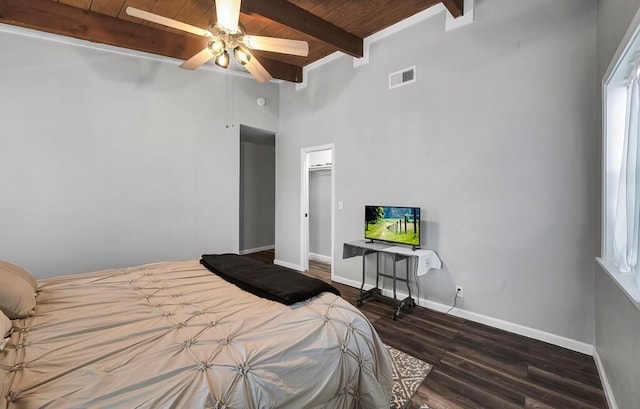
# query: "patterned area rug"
{"type": "Point", "coordinates": [408, 374]}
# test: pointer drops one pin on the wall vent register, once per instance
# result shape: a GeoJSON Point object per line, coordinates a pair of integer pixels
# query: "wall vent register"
{"type": "Point", "coordinates": [402, 77]}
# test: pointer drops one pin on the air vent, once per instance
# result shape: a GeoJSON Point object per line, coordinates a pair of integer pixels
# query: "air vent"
{"type": "Point", "coordinates": [402, 77]}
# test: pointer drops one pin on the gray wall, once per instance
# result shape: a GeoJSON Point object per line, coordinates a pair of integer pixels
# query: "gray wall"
{"type": "Point", "coordinates": [493, 141]}
{"type": "Point", "coordinates": [320, 212]}
{"type": "Point", "coordinates": [257, 188]}
{"type": "Point", "coordinates": [109, 160]}
{"type": "Point", "coordinates": [617, 321]}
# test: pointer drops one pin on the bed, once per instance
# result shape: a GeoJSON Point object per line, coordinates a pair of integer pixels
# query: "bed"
{"type": "Point", "coordinates": [173, 334]}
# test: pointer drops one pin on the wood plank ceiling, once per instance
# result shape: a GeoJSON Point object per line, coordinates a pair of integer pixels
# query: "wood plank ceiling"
{"type": "Point", "coordinates": [327, 25]}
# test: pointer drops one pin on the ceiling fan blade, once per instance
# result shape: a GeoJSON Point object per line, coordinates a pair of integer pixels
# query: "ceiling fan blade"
{"type": "Point", "coordinates": [257, 70]}
{"type": "Point", "coordinates": [228, 14]}
{"type": "Point", "coordinates": [154, 18]}
{"type": "Point", "coordinates": [197, 60]}
{"type": "Point", "coordinates": [277, 45]}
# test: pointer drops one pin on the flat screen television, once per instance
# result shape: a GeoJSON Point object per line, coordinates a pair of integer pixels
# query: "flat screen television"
{"type": "Point", "coordinates": [392, 224]}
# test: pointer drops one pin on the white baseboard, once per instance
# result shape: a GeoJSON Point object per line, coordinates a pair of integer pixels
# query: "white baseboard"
{"type": "Point", "coordinates": [484, 319]}
{"type": "Point", "coordinates": [606, 386]}
{"type": "Point", "coordinates": [320, 258]}
{"type": "Point", "coordinates": [540, 335]}
{"type": "Point", "coordinates": [257, 249]}
{"type": "Point", "coordinates": [288, 265]}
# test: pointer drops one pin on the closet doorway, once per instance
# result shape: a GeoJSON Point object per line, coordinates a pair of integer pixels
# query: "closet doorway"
{"type": "Point", "coordinates": [257, 190]}
{"type": "Point", "coordinates": [317, 210]}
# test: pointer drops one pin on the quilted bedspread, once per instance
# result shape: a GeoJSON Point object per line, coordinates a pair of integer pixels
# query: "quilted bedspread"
{"type": "Point", "coordinates": [174, 335]}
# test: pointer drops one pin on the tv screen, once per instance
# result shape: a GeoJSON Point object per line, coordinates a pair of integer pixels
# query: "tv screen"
{"type": "Point", "coordinates": [392, 224]}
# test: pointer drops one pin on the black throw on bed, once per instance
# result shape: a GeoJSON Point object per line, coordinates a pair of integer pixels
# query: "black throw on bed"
{"type": "Point", "coordinates": [268, 281]}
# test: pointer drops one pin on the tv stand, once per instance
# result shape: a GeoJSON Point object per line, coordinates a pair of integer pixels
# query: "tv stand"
{"type": "Point", "coordinates": [376, 292]}
{"type": "Point", "coordinates": [411, 256]}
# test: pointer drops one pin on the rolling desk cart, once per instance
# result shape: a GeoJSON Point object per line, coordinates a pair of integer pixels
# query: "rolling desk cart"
{"type": "Point", "coordinates": [422, 260]}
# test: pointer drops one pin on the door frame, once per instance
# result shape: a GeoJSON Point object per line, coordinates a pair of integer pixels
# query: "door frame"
{"type": "Point", "coordinates": [304, 203]}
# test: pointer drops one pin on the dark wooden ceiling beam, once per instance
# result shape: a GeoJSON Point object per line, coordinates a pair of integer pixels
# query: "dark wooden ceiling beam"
{"type": "Point", "coordinates": [299, 19]}
{"type": "Point", "coordinates": [455, 7]}
{"type": "Point", "coordinates": [287, 72]}
{"type": "Point", "coordinates": [58, 18]}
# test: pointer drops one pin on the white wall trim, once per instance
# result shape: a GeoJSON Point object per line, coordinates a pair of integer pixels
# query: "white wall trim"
{"type": "Point", "coordinates": [321, 258]}
{"type": "Point", "coordinates": [408, 22]}
{"type": "Point", "coordinates": [452, 23]}
{"type": "Point", "coordinates": [394, 29]}
{"type": "Point", "coordinates": [333, 210]}
{"type": "Point", "coordinates": [288, 265]}
{"type": "Point", "coordinates": [318, 63]}
{"type": "Point", "coordinates": [606, 386]}
{"type": "Point", "coordinates": [544, 336]}
{"type": "Point", "coordinates": [366, 48]}
{"type": "Point", "coordinates": [540, 335]}
{"type": "Point", "coordinates": [256, 250]}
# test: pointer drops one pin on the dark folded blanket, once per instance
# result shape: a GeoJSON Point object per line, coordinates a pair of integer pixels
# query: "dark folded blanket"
{"type": "Point", "coordinates": [268, 281]}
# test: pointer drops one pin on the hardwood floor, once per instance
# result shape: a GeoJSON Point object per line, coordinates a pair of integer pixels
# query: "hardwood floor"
{"type": "Point", "coordinates": [476, 366]}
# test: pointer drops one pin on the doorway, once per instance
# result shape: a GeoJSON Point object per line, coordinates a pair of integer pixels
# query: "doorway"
{"type": "Point", "coordinates": [257, 190]}
{"type": "Point", "coordinates": [317, 205]}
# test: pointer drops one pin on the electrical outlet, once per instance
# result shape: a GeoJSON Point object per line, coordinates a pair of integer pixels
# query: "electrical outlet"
{"type": "Point", "coordinates": [459, 291]}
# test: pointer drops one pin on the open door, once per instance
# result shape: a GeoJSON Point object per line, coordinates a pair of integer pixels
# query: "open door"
{"type": "Point", "coordinates": [315, 228]}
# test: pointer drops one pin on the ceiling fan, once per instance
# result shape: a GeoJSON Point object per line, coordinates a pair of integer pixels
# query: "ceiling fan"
{"type": "Point", "coordinates": [226, 34]}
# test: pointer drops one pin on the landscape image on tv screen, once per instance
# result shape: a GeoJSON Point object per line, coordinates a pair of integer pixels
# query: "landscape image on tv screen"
{"type": "Point", "coordinates": [393, 224]}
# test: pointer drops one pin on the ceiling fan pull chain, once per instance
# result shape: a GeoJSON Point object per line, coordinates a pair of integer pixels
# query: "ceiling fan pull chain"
{"type": "Point", "coordinates": [229, 100]}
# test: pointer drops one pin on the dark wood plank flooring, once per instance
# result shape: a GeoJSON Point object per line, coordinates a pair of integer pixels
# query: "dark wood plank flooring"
{"type": "Point", "coordinates": [476, 366]}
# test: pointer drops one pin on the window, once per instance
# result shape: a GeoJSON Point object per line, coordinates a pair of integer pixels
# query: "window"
{"type": "Point", "coordinates": [621, 167]}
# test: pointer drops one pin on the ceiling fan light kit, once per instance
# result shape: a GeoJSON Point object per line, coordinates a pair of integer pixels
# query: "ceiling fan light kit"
{"type": "Point", "coordinates": [217, 47]}
{"type": "Point", "coordinates": [226, 34]}
{"type": "Point", "coordinates": [223, 59]}
{"type": "Point", "coordinates": [241, 55]}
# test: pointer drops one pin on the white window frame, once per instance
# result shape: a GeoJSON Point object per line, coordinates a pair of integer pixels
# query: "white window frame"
{"type": "Point", "coordinates": [613, 117]}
